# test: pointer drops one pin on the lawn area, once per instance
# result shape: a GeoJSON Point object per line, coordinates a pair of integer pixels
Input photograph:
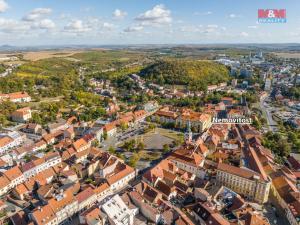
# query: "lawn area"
{"type": "Point", "coordinates": [149, 156]}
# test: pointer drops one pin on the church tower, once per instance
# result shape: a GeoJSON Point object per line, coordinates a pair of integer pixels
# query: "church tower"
{"type": "Point", "coordinates": [188, 134]}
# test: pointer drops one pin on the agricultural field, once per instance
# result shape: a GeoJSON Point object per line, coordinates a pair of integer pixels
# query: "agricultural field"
{"type": "Point", "coordinates": [38, 55]}
{"type": "Point", "coordinates": [292, 55]}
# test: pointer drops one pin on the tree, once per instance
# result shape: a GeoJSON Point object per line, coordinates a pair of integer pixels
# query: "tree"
{"type": "Point", "coordinates": [133, 160]}
{"type": "Point", "coordinates": [278, 144]}
{"type": "Point", "coordinates": [140, 146]}
{"type": "Point", "coordinates": [166, 148]}
{"type": "Point", "coordinates": [129, 145]}
{"type": "Point", "coordinates": [123, 126]}
{"type": "Point", "coordinates": [104, 135]}
{"type": "Point", "coordinates": [89, 180]}
{"type": "Point", "coordinates": [95, 143]}
{"type": "Point", "coordinates": [257, 124]}
{"type": "Point", "coordinates": [151, 126]}
{"type": "Point", "coordinates": [112, 150]}
{"type": "Point", "coordinates": [36, 118]}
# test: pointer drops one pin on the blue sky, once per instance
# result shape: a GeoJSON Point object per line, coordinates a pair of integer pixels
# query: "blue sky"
{"type": "Point", "coordinates": [60, 22]}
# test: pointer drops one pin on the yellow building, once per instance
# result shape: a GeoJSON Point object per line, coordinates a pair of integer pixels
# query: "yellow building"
{"type": "Point", "coordinates": [244, 181]}
{"type": "Point", "coordinates": [199, 121]}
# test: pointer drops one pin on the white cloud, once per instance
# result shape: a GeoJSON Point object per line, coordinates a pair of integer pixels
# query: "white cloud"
{"type": "Point", "coordinates": [46, 24]}
{"type": "Point", "coordinates": [233, 16]}
{"type": "Point", "coordinates": [37, 14]}
{"type": "Point", "coordinates": [213, 29]}
{"type": "Point", "coordinates": [158, 15]}
{"type": "Point", "coordinates": [91, 26]}
{"type": "Point", "coordinates": [133, 29]}
{"type": "Point", "coordinates": [41, 11]}
{"type": "Point", "coordinates": [11, 26]}
{"type": "Point", "coordinates": [190, 28]}
{"type": "Point", "coordinates": [76, 26]}
{"type": "Point", "coordinates": [252, 27]}
{"type": "Point", "coordinates": [244, 34]}
{"type": "Point", "coordinates": [119, 14]}
{"type": "Point", "coordinates": [212, 26]}
{"type": "Point", "coordinates": [3, 6]}
{"type": "Point", "coordinates": [108, 26]}
{"type": "Point", "coordinates": [207, 13]}
{"type": "Point", "coordinates": [203, 13]}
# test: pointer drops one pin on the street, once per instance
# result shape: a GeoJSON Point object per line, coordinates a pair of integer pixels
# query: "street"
{"type": "Point", "coordinates": [272, 125]}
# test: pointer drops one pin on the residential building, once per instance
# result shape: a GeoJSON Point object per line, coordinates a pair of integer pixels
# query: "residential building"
{"type": "Point", "coordinates": [122, 175]}
{"type": "Point", "coordinates": [199, 122]}
{"type": "Point", "coordinates": [21, 115]}
{"type": "Point", "coordinates": [15, 176]}
{"type": "Point", "coordinates": [110, 129]}
{"type": "Point", "coordinates": [32, 128]}
{"type": "Point", "coordinates": [244, 181]}
{"type": "Point", "coordinates": [92, 216]}
{"type": "Point", "coordinates": [188, 159]}
{"type": "Point", "coordinates": [10, 140]}
{"type": "Point", "coordinates": [86, 198]}
{"type": "Point", "coordinates": [118, 211]}
{"type": "Point", "coordinates": [204, 213]}
{"type": "Point", "coordinates": [17, 97]}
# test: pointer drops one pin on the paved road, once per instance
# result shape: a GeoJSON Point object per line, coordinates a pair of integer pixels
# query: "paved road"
{"type": "Point", "coordinates": [272, 125]}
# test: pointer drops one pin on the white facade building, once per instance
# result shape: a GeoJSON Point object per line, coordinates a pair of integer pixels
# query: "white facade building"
{"type": "Point", "coordinates": [118, 211]}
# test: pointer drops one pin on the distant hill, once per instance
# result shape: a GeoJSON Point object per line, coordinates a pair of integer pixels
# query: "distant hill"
{"type": "Point", "coordinates": [196, 74]}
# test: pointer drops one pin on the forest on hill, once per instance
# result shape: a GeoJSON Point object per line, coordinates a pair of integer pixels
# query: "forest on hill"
{"type": "Point", "coordinates": [194, 73]}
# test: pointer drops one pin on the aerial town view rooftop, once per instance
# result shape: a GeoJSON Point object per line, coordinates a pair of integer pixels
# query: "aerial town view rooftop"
{"type": "Point", "coordinates": [148, 112]}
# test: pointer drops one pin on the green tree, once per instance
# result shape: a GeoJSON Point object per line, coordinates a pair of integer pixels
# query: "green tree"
{"type": "Point", "coordinates": [133, 160]}
{"type": "Point", "coordinates": [140, 146]}
{"type": "Point", "coordinates": [166, 148]}
{"type": "Point", "coordinates": [104, 135]}
{"type": "Point", "coordinates": [123, 126]}
{"type": "Point", "coordinates": [112, 150]}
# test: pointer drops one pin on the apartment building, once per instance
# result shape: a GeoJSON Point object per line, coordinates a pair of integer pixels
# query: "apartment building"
{"type": "Point", "coordinates": [4, 185]}
{"type": "Point", "coordinates": [10, 140]}
{"type": "Point", "coordinates": [187, 159]}
{"type": "Point", "coordinates": [165, 116]}
{"type": "Point", "coordinates": [244, 181]}
{"type": "Point", "coordinates": [118, 211]}
{"type": "Point", "coordinates": [21, 115]}
{"type": "Point", "coordinates": [122, 175]}
{"type": "Point", "coordinates": [16, 97]}
{"type": "Point", "coordinates": [15, 176]}
{"type": "Point", "coordinates": [32, 168]}
{"type": "Point", "coordinates": [199, 121]}
{"type": "Point", "coordinates": [5, 144]}
{"type": "Point", "coordinates": [86, 198]}
{"type": "Point", "coordinates": [64, 205]}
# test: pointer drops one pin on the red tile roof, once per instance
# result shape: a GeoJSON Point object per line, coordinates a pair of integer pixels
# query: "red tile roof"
{"type": "Point", "coordinates": [85, 194]}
